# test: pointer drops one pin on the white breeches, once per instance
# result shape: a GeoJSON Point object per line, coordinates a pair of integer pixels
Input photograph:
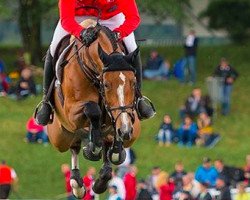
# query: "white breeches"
{"type": "Point", "coordinates": [112, 23]}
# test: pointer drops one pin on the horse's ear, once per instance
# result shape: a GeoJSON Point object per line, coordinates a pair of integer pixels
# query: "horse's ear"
{"type": "Point", "coordinates": [103, 55]}
{"type": "Point", "coordinates": [131, 56]}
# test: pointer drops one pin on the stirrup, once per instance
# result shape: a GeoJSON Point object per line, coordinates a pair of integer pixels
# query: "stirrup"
{"type": "Point", "coordinates": [38, 107]}
{"type": "Point", "coordinates": [149, 102]}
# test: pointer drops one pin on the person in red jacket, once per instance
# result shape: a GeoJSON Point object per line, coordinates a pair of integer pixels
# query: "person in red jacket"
{"type": "Point", "coordinates": [166, 189]}
{"type": "Point", "coordinates": [8, 177]}
{"type": "Point", "coordinates": [130, 183]}
{"type": "Point", "coordinates": [88, 181]}
{"type": "Point", "coordinates": [120, 16]}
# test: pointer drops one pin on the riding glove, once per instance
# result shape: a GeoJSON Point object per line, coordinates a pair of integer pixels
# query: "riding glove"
{"type": "Point", "coordinates": [88, 36]}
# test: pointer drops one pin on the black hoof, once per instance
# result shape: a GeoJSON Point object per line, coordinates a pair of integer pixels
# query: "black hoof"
{"type": "Point", "coordinates": [75, 175]}
{"type": "Point", "coordinates": [145, 108]}
{"type": "Point", "coordinates": [116, 158]}
{"type": "Point", "coordinates": [100, 186]}
{"type": "Point", "coordinates": [89, 154]}
{"type": "Point", "coordinates": [44, 115]}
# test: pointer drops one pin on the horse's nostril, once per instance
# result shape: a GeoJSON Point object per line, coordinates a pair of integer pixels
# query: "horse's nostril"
{"type": "Point", "coordinates": [126, 132]}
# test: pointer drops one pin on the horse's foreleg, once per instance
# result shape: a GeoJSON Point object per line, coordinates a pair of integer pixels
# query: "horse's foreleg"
{"type": "Point", "coordinates": [76, 181]}
{"type": "Point", "coordinates": [105, 173]}
{"type": "Point", "coordinates": [92, 151]}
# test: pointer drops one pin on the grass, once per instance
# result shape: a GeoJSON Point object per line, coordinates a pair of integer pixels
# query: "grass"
{"type": "Point", "coordinates": [38, 166]}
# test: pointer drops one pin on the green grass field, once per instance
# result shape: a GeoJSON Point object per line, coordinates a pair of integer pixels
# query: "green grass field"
{"type": "Point", "coordinates": [38, 166]}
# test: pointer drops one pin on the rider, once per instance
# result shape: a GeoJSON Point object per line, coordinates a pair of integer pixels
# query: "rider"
{"type": "Point", "coordinates": [121, 16]}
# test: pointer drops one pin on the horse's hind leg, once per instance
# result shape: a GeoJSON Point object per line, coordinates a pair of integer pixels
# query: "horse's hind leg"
{"type": "Point", "coordinates": [105, 173]}
{"type": "Point", "coordinates": [76, 181]}
{"type": "Point", "coordinates": [92, 151]}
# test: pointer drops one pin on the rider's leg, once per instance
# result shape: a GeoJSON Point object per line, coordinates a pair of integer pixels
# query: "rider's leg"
{"type": "Point", "coordinates": [43, 114]}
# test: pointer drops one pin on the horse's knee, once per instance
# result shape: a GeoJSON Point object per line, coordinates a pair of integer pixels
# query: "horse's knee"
{"type": "Point", "coordinates": [92, 110]}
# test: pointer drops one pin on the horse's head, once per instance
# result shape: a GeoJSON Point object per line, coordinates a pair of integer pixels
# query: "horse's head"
{"type": "Point", "coordinates": [119, 89]}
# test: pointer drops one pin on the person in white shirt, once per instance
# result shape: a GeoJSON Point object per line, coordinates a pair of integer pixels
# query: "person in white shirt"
{"type": "Point", "coordinates": [118, 182]}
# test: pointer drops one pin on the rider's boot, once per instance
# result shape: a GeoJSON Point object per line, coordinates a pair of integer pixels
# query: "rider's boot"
{"type": "Point", "coordinates": [44, 111]}
{"type": "Point", "coordinates": [145, 108]}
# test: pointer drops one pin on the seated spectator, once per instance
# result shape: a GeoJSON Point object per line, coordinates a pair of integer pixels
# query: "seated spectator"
{"type": "Point", "coordinates": [242, 194]}
{"type": "Point", "coordinates": [166, 132]}
{"type": "Point", "coordinates": [190, 185]}
{"type": "Point", "coordinates": [187, 132]}
{"type": "Point", "coordinates": [166, 188]}
{"type": "Point", "coordinates": [113, 195]}
{"type": "Point", "coordinates": [156, 67]}
{"type": "Point", "coordinates": [185, 195]}
{"type": "Point", "coordinates": [204, 194]}
{"type": "Point", "coordinates": [206, 173]}
{"type": "Point", "coordinates": [26, 85]}
{"type": "Point", "coordinates": [205, 129]}
{"type": "Point", "coordinates": [247, 170]}
{"type": "Point", "coordinates": [118, 182]}
{"type": "Point", "coordinates": [4, 84]}
{"type": "Point", "coordinates": [35, 132]}
{"type": "Point", "coordinates": [231, 175]}
{"type": "Point", "coordinates": [195, 104]}
{"type": "Point", "coordinates": [143, 192]}
{"type": "Point", "coordinates": [65, 169]}
{"type": "Point", "coordinates": [177, 175]}
{"type": "Point", "coordinates": [229, 75]}
{"type": "Point", "coordinates": [223, 189]}
{"type": "Point", "coordinates": [88, 181]}
{"type": "Point", "coordinates": [152, 180]}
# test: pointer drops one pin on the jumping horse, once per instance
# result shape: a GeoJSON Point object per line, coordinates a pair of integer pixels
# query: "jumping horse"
{"type": "Point", "coordinates": [96, 98]}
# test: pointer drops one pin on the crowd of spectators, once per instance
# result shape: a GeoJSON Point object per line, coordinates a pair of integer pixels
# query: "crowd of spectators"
{"type": "Point", "coordinates": [196, 124]}
{"type": "Point", "coordinates": [19, 83]}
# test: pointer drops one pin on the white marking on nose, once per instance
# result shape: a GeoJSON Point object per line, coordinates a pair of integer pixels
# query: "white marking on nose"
{"type": "Point", "coordinates": [120, 93]}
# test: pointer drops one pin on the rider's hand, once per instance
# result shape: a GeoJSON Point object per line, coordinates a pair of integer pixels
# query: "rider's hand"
{"type": "Point", "coordinates": [88, 36]}
{"type": "Point", "coordinates": [117, 36]}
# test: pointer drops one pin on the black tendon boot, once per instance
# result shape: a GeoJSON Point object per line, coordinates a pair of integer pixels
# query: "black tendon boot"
{"type": "Point", "coordinates": [43, 113]}
{"type": "Point", "coordinates": [145, 108]}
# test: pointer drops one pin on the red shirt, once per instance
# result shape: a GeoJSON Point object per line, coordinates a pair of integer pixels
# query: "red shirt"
{"type": "Point", "coordinates": [33, 127]}
{"type": "Point", "coordinates": [109, 8]}
{"type": "Point", "coordinates": [166, 191]}
{"type": "Point", "coordinates": [88, 181]}
{"type": "Point", "coordinates": [130, 186]}
{"type": "Point", "coordinates": [5, 175]}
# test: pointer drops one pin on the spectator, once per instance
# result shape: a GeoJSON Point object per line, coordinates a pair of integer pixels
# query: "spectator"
{"type": "Point", "coordinates": [190, 184]}
{"type": "Point", "coordinates": [204, 194]}
{"type": "Point", "coordinates": [26, 85]}
{"type": "Point", "coordinates": [190, 47]}
{"type": "Point", "coordinates": [177, 175]}
{"type": "Point", "coordinates": [130, 183]}
{"type": "Point", "coordinates": [195, 104]}
{"type": "Point", "coordinates": [229, 75]}
{"type": "Point", "coordinates": [8, 180]}
{"type": "Point", "coordinates": [35, 132]}
{"type": "Point", "coordinates": [185, 195]}
{"type": "Point", "coordinates": [130, 160]}
{"type": "Point", "coordinates": [242, 194]}
{"type": "Point", "coordinates": [205, 131]}
{"type": "Point", "coordinates": [166, 189]}
{"type": "Point", "coordinates": [152, 180]}
{"type": "Point", "coordinates": [118, 182]}
{"type": "Point", "coordinates": [143, 192]}
{"type": "Point", "coordinates": [187, 132]}
{"type": "Point", "coordinates": [223, 188]}
{"type": "Point", "coordinates": [4, 85]}
{"type": "Point", "coordinates": [247, 170]}
{"type": "Point", "coordinates": [88, 181]}
{"type": "Point", "coordinates": [166, 132]}
{"type": "Point", "coordinates": [66, 172]}
{"type": "Point", "coordinates": [156, 67]}
{"type": "Point", "coordinates": [206, 173]}
{"type": "Point", "coordinates": [113, 194]}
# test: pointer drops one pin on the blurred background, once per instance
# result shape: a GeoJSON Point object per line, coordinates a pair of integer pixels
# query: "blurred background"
{"type": "Point", "coordinates": [166, 36]}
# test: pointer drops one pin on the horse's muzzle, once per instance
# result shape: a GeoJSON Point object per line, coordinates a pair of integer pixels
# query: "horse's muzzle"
{"type": "Point", "coordinates": [125, 131]}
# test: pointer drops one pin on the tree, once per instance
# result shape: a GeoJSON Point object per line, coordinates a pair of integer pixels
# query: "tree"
{"type": "Point", "coordinates": [162, 9]}
{"type": "Point", "coordinates": [230, 15]}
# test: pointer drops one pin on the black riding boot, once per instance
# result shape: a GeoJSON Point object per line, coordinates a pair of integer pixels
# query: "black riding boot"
{"type": "Point", "coordinates": [43, 114]}
{"type": "Point", "coordinates": [145, 108]}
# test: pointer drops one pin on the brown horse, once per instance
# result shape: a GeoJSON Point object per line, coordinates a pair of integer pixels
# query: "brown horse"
{"type": "Point", "coordinates": [99, 93]}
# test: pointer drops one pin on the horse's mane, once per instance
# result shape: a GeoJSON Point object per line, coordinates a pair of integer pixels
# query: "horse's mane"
{"type": "Point", "coordinates": [111, 37]}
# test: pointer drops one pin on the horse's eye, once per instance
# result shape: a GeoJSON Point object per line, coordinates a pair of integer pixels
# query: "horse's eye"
{"type": "Point", "coordinates": [106, 85]}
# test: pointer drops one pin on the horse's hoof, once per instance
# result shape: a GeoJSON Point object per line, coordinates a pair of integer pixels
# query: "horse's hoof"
{"type": "Point", "coordinates": [78, 192]}
{"type": "Point", "coordinates": [89, 154]}
{"type": "Point", "coordinates": [100, 186]}
{"type": "Point", "coordinates": [116, 158]}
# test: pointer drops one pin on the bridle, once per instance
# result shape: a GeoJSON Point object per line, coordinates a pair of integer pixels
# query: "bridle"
{"type": "Point", "coordinates": [96, 79]}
